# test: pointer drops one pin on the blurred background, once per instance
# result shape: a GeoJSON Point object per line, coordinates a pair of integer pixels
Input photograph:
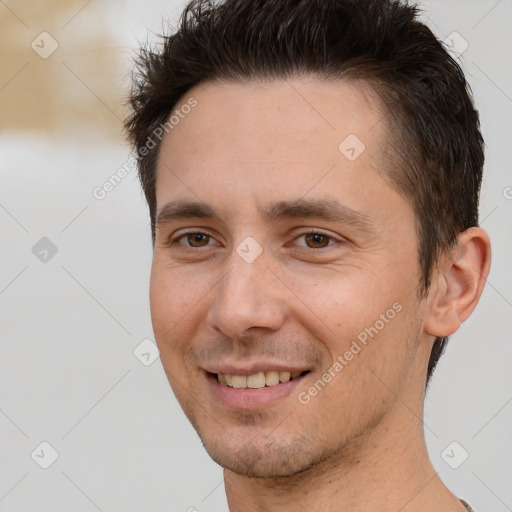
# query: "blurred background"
{"type": "Point", "coordinates": [87, 418]}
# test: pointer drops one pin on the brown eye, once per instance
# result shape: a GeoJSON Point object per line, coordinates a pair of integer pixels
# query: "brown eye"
{"type": "Point", "coordinates": [196, 239]}
{"type": "Point", "coordinates": [316, 240]}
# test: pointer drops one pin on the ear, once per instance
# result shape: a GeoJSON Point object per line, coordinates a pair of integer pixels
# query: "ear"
{"type": "Point", "coordinates": [458, 282]}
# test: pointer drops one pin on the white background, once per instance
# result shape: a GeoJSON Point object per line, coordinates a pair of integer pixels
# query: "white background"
{"type": "Point", "coordinates": [68, 327]}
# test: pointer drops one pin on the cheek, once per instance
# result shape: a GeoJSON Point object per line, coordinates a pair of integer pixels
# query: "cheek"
{"type": "Point", "coordinates": [363, 317]}
{"type": "Point", "coordinates": [343, 302]}
{"type": "Point", "coordinates": [175, 302]}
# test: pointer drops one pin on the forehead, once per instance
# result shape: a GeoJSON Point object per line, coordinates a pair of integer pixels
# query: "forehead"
{"type": "Point", "coordinates": [302, 120]}
{"type": "Point", "coordinates": [275, 107]}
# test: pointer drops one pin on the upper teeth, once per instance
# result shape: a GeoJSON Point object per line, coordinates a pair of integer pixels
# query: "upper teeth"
{"type": "Point", "coordinates": [257, 380]}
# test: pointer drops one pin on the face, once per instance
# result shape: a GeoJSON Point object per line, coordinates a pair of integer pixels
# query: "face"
{"type": "Point", "coordinates": [285, 275]}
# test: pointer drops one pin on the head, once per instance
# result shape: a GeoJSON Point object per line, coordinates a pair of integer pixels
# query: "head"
{"type": "Point", "coordinates": [281, 110]}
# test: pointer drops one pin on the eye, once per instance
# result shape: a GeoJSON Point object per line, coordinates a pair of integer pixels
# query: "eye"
{"type": "Point", "coordinates": [316, 240]}
{"type": "Point", "coordinates": [197, 239]}
{"type": "Point", "coordinates": [193, 240]}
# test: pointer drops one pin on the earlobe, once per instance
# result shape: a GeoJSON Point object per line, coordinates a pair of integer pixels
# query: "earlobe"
{"type": "Point", "coordinates": [458, 282]}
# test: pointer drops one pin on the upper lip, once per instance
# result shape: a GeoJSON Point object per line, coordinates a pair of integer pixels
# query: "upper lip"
{"type": "Point", "coordinates": [252, 368]}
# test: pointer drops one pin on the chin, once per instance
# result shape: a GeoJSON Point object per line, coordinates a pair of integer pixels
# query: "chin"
{"type": "Point", "coordinates": [270, 459]}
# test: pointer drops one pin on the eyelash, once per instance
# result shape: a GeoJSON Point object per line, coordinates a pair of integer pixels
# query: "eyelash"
{"type": "Point", "coordinates": [177, 239]}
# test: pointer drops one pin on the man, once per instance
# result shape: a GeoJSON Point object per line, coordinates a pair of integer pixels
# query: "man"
{"type": "Point", "coordinates": [312, 170]}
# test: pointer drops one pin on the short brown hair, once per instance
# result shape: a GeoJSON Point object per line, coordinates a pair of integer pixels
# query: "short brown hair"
{"type": "Point", "coordinates": [433, 125]}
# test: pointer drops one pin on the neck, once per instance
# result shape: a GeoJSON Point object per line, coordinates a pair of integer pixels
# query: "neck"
{"type": "Point", "coordinates": [386, 468]}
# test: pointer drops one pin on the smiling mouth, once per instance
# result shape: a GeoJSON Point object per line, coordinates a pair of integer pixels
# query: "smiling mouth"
{"type": "Point", "coordinates": [257, 380]}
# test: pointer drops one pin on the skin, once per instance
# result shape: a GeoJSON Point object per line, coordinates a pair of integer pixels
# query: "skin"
{"type": "Point", "coordinates": [358, 443]}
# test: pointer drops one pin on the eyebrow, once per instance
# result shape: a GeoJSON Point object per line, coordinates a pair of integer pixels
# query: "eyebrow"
{"type": "Point", "coordinates": [326, 209]}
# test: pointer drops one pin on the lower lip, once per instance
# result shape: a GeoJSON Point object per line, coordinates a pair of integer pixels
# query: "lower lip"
{"type": "Point", "coordinates": [251, 398]}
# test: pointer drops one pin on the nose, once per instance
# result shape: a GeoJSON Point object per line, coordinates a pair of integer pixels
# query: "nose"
{"type": "Point", "coordinates": [250, 295]}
